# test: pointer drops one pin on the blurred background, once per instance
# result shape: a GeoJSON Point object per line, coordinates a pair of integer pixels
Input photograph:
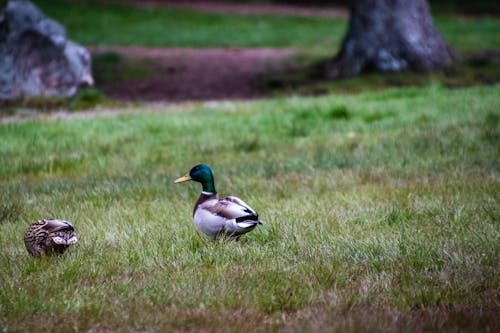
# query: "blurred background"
{"type": "Point", "coordinates": [168, 50]}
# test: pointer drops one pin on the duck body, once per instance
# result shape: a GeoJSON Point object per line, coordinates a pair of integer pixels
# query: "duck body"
{"type": "Point", "coordinates": [228, 217]}
{"type": "Point", "coordinates": [47, 237]}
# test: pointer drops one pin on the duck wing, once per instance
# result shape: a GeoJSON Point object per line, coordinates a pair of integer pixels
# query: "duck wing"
{"type": "Point", "coordinates": [61, 232]}
{"type": "Point", "coordinates": [57, 225]}
{"type": "Point", "coordinates": [234, 208]}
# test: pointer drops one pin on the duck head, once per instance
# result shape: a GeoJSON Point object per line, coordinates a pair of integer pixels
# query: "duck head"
{"type": "Point", "coordinates": [200, 173]}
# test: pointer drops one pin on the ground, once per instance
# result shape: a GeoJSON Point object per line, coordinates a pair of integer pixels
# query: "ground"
{"type": "Point", "coordinates": [181, 74]}
{"type": "Point", "coordinates": [381, 207]}
{"type": "Point", "coordinates": [185, 74]}
{"type": "Point", "coordinates": [200, 74]}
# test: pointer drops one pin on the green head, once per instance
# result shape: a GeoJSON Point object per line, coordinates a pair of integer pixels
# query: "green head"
{"type": "Point", "coordinates": [200, 173]}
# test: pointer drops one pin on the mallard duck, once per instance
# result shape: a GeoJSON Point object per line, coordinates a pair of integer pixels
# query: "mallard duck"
{"type": "Point", "coordinates": [46, 237]}
{"type": "Point", "coordinates": [230, 217]}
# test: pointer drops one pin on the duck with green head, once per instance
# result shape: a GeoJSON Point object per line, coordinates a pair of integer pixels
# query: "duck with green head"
{"type": "Point", "coordinates": [229, 217]}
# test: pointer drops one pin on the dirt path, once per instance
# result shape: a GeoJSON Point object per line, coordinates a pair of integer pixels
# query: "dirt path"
{"type": "Point", "coordinates": [197, 74]}
{"type": "Point", "coordinates": [189, 74]}
{"type": "Point", "coordinates": [201, 74]}
{"type": "Point", "coordinates": [246, 8]}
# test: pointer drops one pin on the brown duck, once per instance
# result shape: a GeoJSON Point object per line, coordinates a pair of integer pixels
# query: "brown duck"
{"type": "Point", "coordinates": [47, 237]}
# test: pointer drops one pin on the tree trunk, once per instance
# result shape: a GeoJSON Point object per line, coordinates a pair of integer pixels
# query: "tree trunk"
{"type": "Point", "coordinates": [390, 35]}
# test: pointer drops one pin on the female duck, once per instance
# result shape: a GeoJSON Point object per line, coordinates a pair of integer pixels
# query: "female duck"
{"type": "Point", "coordinates": [230, 217]}
{"type": "Point", "coordinates": [46, 237]}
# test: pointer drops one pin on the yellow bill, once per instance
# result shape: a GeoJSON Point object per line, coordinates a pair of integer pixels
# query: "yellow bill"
{"type": "Point", "coordinates": [183, 179]}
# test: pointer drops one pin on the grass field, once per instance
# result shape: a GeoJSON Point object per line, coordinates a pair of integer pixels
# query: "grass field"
{"type": "Point", "coordinates": [110, 24]}
{"type": "Point", "coordinates": [381, 210]}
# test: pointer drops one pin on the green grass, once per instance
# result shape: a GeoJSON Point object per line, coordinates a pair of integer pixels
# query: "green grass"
{"type": "Point", "coordinates": [478, 7]}
{"type": "Point", "coordinates": [93, 23]}
{"type": "Point", "coordinates": [110, 67]}
{"type": "Point", "coordinates": [381, 213]}
{"type": "Point", "coordinates": [471, 33]}
{"type": "Point", "coordinates": [473, 69]}
{"type": "Point", "coordinates": [124, 25]}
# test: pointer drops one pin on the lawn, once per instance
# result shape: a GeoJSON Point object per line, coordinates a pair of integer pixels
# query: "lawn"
{"type": "Point", "coordinates": [112, 24]}
{"type": "Point", "coordinates": [381, 214]}
{"type": "Point", "coordinates": [381, 208]}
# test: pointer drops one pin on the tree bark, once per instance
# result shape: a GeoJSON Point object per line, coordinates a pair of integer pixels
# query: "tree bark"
{"type": "Point", "coordinates": [390, 35]}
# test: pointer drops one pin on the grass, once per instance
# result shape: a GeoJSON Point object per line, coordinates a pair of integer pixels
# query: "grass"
{"type": "Point", "coordinates": [109, 67]}
{"type": "Point", "coordinates": [381, 214]}
{"type": "Point", "coordinates": [381, 208]}
{"type": "Point", "coordinates": [84, 99]}
{"type": "Point", "coordinates": [306, 77]}
{"type": "Point", "coordinates": [480, 7]}
{"type": "Point", "coordinates": [316, 39]}
{"type": "Point", "coordinates": [112, 24]}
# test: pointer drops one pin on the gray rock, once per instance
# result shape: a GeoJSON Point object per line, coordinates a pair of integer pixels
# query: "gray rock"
{"type": "Point", "coordinates": [36, 59]}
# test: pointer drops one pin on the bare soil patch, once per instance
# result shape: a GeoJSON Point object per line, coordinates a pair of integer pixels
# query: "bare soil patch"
{"type": "Point", "coordinates": [179, 74]}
